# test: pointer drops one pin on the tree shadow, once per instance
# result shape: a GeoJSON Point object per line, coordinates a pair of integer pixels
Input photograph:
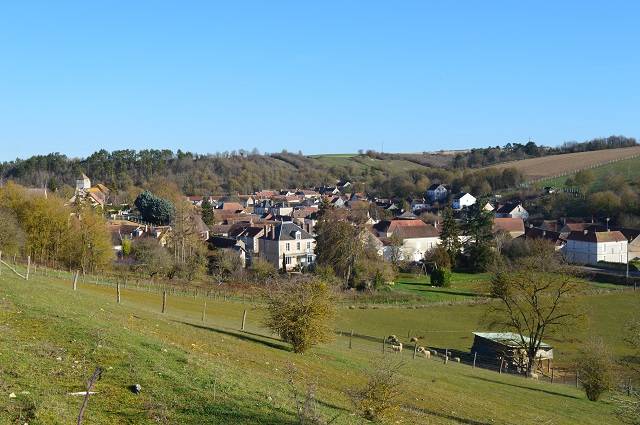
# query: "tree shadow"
{"type": "Point", "coordinates": [245, 336]}
{"type": "Point", "coordinates": [527, 388]}
{"type": "Point", "coordinates": [448, 417]}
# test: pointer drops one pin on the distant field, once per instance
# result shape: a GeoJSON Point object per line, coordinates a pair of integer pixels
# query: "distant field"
{"type": "Point", "coordinates": [550, 166]}
{"type": "Point", "coordinates": [629, 168]}
{"type": "Point", "coordinates": [360, 163]}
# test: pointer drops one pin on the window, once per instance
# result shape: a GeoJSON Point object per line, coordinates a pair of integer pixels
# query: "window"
{"type": "Point", "coordinates": [287, 247]}
{"type": "Point", "coordinates": [298, 235]}
{"type": "Point", "coordinates": [308, 246]}
{"type": "Point", "coordinates": [287, 260]}
{"type": "Point", "coordinates": [298, 246]}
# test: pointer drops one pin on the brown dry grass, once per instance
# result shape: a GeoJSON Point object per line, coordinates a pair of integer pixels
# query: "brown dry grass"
{"type": "Point", "coordinates": [556, 165]}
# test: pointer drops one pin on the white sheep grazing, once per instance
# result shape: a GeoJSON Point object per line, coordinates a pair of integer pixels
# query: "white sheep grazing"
{"type": "Point", "coordinates": [397, 348]}
{"type": "Point", "coordinates": [456, 359]}
{"type": "Point", "coordinates": [420, 350]}
{"type": "Point", "coordinates": [427, 354]}
{"type": "Point", "coordinates": [533, 375]}
{"type": "Point", "coordinates": [434, 353]}
{"type": "Point", "coordinates": [413, 339]}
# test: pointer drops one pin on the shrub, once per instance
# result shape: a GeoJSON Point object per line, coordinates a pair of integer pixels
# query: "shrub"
{"type": "Point", "coordinates": [595, 368]}
{"type": "Point", "coordinates": [441, 277]}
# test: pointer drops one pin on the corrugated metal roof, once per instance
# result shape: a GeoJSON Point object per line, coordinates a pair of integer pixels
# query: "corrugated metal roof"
{"type": "Point", "coordinates": [510, 339]}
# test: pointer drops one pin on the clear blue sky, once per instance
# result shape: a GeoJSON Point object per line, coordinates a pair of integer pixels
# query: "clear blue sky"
{"type": "Point", "coordinates": [316, 77]}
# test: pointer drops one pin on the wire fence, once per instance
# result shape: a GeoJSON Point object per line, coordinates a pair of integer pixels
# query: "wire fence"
{"type": "Point", "coordinates": [544, 370]}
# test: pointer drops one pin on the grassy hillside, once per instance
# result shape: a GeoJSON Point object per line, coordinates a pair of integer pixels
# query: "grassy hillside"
{"type": "Point", "coordinates": [628, 168]}
{"type": "Point", "coordinates": [549, 166]}
{"type": "Point", "coordinates": [209, 371]}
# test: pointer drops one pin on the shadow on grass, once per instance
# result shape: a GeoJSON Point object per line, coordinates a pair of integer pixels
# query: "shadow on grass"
{"type": "Point", "coordinates": [421, 289]}
{"type": "Point", "coordinates": [527, 388]}
{"type": "Point", "coordinates": [246, 336]}
{"type": "Point", "coordinates": [448, 417]}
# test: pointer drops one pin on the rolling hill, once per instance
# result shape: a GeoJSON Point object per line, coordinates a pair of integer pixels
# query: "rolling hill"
{"type": "Point", "coordinates": [555, 165]}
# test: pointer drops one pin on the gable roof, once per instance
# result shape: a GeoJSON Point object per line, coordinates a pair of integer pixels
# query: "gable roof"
{"type": "Point", "coordinates": [507, 208]}
{"type": "Point", "coordinates": [437, 185]}
{"type": "Point", "coordinates": [549, 235]}
{"type": "Point", "coordinates": [596, 237]}
{"type": "Point", "coordinates": [508, 224]}
{"type": "Point", "coordinates": [286, 231]}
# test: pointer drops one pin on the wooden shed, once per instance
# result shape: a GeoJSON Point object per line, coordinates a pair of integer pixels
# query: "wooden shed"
{"type": "Point", "coordinates": [507, 346]}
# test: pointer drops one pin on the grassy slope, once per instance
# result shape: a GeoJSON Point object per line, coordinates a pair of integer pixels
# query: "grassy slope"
{"type": "Point", "coordinates": [361, 163]}
{"type": "Point", "coordinates": [53, 338]}
{"type": "Point", "coordinates": [629, 168]}
{"type": "Point", "coordinates": [537, 168]}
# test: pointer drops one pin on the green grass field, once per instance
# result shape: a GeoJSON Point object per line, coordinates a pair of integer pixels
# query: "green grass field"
{"type": "Point", "coordinates": [196, 370]}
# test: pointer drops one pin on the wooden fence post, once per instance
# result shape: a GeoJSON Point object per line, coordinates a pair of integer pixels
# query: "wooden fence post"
{"type": "Point", "coordinates": [118, 291]}
{"type": "Point", "coordinates": [577, 378]}
{"type": "Point", "coordinates": [0, 262]}
{"type": "Point", "coordinates": [501, 361]}
{"type": "Point", "coordinates": [26, 276]}
{"type": "Point", "coordinates": [351, 340]}
{"type": "Point", "coordinates": [474, 359]}
{"type": "Point", "coordinates": [552, 373]}
{"type": "Point", "coordinates": [164, 300]}
{"type": "Point", "coordinates": [204, 310]}
{"type": "Point", "coordinates": [384, 341]}
{"type": "Point", "coordinates": [75, 280]}
{"type": "Point", "coordinates": [244, 317]}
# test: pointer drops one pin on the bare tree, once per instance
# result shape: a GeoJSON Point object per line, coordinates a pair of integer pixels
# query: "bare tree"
{"type": "Point", "coordinates": [535, 296]}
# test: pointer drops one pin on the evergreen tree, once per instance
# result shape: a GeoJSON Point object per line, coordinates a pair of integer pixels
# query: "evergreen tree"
{"type": "Point", "coordinates": [479, 227]}
{"type": "Point", "coordinates": [154, 209]}
{"type": "Point", "coordinates": [450, 235]}
{"type": "Point", "coordinates": [206, 211]}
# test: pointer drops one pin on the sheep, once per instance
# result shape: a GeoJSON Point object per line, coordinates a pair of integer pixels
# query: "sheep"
{"type": "Point", "coordinates": [420, 350]}
{"type": "Point", "coordinates": [427, 354]}
{"type": "Point", "coordinates": [397, 348]}
{"type": "Point", "coordinates": [534, 375]}
{"type": "Point", "coordinates": [413, 339]}
{"type": "Point", "coordinates": [456, 359]}
{"type": "Point", "coordinates": [392, 339]}
{"type": "Point", "coordinates": [434, 353]}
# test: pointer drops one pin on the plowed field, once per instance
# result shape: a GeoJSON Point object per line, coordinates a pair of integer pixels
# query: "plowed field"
{"type": "Point", "coordinates": [556, 165]}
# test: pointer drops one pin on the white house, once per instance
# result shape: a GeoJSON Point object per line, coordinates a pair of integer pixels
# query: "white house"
{"type": "Point", "coordinates": [463, 200]}
{"type": "Point", "coordinates": [590, 247]}
{"type": "Point", "coordinates": [288, 246]}
{"type": "Point", "coordinates": [512, 211]}
{"type": "Point", "coordinates": [438, 192]}
{"type": "Point", "coordinates": [417, 238]}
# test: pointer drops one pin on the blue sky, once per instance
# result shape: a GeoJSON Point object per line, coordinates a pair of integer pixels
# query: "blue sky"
{"type": "Point", "coordinates": [316, 77]}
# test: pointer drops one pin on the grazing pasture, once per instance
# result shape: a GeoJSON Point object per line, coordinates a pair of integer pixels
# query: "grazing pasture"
{"type": "Point", "coordinates": [195, 369]}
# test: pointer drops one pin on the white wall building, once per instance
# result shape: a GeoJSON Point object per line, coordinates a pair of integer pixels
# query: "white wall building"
{"type": "Point", "coordinates": [586, 247]}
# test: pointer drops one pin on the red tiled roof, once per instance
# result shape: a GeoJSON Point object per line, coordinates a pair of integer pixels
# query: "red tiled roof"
{"type": "Point", "coordinates": [597, 237]}
{"type": "Point", "coordinates": [508, 224]}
